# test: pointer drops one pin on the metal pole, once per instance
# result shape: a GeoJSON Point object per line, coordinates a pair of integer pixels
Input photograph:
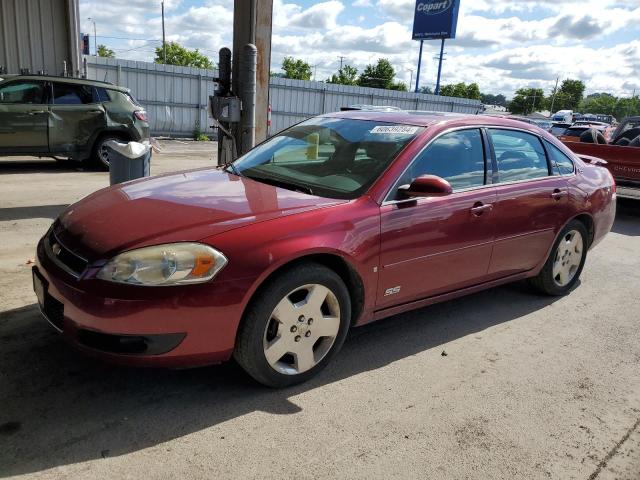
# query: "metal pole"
{"type": "Point", "coordinates": [341, 60]}
{"type": "Point", "coordinates": [419, 65]}
{"type": "Point", "coordinates": [437, 92]}
{"type": "Point", "coordinates": [164, 41]}
{"type": "Point", "coordinates": [555, 92]}
{"type": "Point", "coordinates": [248, 96]}
{"type": "Point", "coordinates": [411, 80]}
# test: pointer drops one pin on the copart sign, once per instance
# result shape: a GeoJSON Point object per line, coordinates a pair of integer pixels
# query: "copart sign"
{"type": "Point", "coordinates": [435, 19]}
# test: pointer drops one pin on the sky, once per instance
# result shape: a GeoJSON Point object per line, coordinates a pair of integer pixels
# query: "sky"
{"type": "Point", "coordinates": [502, 45]}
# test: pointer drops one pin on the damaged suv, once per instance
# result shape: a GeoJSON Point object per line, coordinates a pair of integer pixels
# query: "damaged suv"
{"type": "Point", "coordinates": [67, 117]}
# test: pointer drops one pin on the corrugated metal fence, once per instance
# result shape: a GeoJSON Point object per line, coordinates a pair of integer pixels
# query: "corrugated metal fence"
{"type": "Point", "coordinates": [176, 98]}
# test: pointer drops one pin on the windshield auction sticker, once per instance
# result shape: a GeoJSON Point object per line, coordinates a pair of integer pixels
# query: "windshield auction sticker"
{"type": "Point", "coordinates": [395, 129]}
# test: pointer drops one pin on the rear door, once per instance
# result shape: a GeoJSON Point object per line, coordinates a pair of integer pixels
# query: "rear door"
{"type": "Point", "coordinates": [23, 117]}
{"type": "Point", "coordinates": [532, 202]}
{"type": "Point", "coordinates": [439, 244]}
{"type": "Point", "coordinates": [77, 115]}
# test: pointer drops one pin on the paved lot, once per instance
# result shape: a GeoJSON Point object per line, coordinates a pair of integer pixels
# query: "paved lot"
{"type": "Point", "coordinates": [530, 387]}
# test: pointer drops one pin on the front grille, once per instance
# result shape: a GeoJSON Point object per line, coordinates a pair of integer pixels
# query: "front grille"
{"type": "Point", "coordinates": [54, 311]}
{"type": "Point", "coordinates": [65, 258]}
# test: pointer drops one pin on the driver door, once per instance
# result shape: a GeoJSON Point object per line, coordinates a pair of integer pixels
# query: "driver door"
{"type": "Point", "coordinates": [436, 245]}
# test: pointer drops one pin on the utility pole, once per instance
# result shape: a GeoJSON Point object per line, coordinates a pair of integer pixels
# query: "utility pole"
{"type": "Point", "coordinates": [555, 92]}
{"type": "Point", "coordinates": [341, 60]}
{"type": "Point", "coordinates": [437, 92]}
{"type": "Point", "coordinates": [419, 66]}
{"type": "Point", "coordinates": [164, 41]}
{"type": "Point", "coordinates": [411, 79]}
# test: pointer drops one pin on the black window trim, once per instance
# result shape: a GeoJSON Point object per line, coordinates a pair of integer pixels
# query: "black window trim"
{"type": "Point", "coordinates": [45, 96]}
{"type": "Point", "coordinates": [492, 178]}
{"type": "Point", "coordinates": [489, 171]}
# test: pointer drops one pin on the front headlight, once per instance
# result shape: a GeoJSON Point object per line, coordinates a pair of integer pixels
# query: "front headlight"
{"type": "Point", "coordinates": [160, 265]}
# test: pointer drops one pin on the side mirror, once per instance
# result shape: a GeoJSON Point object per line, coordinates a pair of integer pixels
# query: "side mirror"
{"type": "Point", "coordinates": [427, 186]}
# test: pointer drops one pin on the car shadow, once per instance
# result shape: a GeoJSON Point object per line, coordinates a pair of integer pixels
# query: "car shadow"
{"type": "Point", "coordinates": [36, 211]}
{"type": "Point", "coordinates": [14, 166]}
{"type": "Point", "coordinates": [60, 408]}
{"type": "Point", "coordinates": [627, 217]}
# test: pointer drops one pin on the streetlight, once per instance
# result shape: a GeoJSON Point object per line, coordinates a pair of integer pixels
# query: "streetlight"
{"type": "Point", "coordinates": [95, 36]}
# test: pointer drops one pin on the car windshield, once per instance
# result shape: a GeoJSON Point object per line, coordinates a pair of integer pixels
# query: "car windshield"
{"type": "Point", "coordinates": [327, 157]}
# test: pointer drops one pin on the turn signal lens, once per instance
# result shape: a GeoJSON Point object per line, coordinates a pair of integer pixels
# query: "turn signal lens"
{"type": "Point", "coordinates": [161, 265]}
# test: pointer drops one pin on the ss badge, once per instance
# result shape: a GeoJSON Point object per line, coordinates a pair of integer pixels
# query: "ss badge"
{"type": "Point", "coordinates": [391, 291]}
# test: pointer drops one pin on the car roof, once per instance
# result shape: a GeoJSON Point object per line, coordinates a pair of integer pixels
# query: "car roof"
{"type": "Point", "coordinates": [425, 119]}
{"type": "Point", "coordinates": [79, 81]}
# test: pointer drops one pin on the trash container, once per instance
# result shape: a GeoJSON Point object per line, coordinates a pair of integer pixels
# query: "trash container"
{"type": "Point", "coordinates": [128, 161]}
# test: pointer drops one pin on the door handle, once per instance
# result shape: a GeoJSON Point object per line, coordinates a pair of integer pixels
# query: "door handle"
{"type": "Point", "coordinates": [36, 112]}
{"type": "Point", "coordinates": [558, 194]}
{"type": "Point", "coordinates": [479, 208]}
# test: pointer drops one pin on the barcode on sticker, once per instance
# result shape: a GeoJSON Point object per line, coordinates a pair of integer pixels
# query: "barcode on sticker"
{"type": "Point", "coordinates": [395, 129]}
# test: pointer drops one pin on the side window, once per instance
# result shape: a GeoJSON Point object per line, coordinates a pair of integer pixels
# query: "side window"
{"type": "Point", "coordinates": [558, 158]}
{"type": "Point", "coordinates": [458, 157]}
{"type": "Point", "coordinates": [520, 155]}
{"type": "Point", "coordinates": [22, 92]}
{"type": "Point", "coordinates": [100, 95]}
{"type": "Point", "coordinates": [71, 94]}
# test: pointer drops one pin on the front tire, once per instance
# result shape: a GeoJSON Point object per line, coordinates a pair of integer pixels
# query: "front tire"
{"type": "Point", "coordinates": [565, 263]}
{"type": "Point", "coordinates": [295, 326]}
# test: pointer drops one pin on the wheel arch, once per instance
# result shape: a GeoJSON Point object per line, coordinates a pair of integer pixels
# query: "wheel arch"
{"type": "Point", "coordinates": [342, 267]}
{"type": "Point", "coordinates": [587, 221]}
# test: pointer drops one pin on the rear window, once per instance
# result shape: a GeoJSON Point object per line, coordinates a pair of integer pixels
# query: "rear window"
{"type": "Point", "coordinates": [132, 99]}
{"type": "Point", "coordinates": [101, 95]}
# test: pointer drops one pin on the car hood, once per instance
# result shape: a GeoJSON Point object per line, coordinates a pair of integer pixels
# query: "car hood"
{"type": "Point", "coordinates": [185, 206]}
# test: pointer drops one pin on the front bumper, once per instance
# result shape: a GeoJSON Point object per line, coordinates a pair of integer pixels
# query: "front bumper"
{"type": "Point", "coordinates": [141, 326]}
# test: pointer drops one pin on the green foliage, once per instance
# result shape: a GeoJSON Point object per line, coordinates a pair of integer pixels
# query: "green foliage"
{"type": "Point", "coordinates": [569, 95]}
{"type": "Point", "coordinates": [400, 86]}
{"type": "Point", "coordinates": [347, 75]}
{"type": "Point", "coordinates": [179, 55]}
{"type": "Point", "coordinates": [607, 104]}
{"type": "Point", "coordinates": [461, 90]}
{"type": "Point", "coordinates": [380, 75]}
{"type": "Point", "coordinates": [104, 51]}
{"type": "Point", "coordinates": [527, 100]}
{"type": "Point", "coordinates": [199, 136]}
{"type": "Point", "coordinates": [296, 69]}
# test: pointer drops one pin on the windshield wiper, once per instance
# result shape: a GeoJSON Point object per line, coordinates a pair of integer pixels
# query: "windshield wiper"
{"type": "Point", "coordinates": [283, 184]}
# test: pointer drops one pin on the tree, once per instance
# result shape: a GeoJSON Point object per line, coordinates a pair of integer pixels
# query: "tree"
{"type": "Point", "coordinates": [380, 75]}
{"type": "Point", "coordinates": [104, 51]}
{"type": "Point", "coordinates": [179, 55]}
{"type": "Point", "coordinates": [296, 69]}
{"type": "Point", "coordinates": [461, 90]}
{"type": "Point", "coordinates": [399, 86]}
{"type": "Point", "coordinates": [569, 95]}
{"type": "Point", "coordinates": [603, 103]}
{"type": "Point", "coordinates": [489, 99]}
{"type": "Point", "coordinates": [347, 75]}
{"type": "Point", "coordinates": [527, 100]}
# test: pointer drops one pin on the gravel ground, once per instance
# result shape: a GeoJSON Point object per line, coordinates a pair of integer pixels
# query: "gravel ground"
{"type": "Point", "coordinates": [501, 384]}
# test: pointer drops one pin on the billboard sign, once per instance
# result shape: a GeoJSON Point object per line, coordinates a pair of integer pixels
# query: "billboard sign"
{"type": "Point", "coordinates": [435, 19]}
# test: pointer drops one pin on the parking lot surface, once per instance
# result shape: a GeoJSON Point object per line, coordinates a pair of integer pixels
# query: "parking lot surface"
{"type": "Point", "coordinates": [501, 384]}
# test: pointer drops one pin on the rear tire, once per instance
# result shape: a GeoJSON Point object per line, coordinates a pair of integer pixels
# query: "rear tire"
{"type": "Point", "coordinates": [100, 155]}
{"type": "Point", "coordinates": [295, 326]}
{"type": "Point", "coordinates": [565, 263]}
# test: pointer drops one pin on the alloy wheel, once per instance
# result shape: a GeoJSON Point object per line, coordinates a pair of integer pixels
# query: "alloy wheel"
{"type": "Point", "coordinates": [568, 258]}
{"type": "Point", "coordinates": [302, 329]}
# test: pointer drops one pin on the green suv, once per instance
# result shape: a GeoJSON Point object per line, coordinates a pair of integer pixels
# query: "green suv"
{"type": "Point", "coordinates": [67, 117]}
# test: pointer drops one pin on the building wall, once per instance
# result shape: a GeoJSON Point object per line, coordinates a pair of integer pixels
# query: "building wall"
{"type": "Point", "coordinates": [39, 35]}
{"type": "Point", "coordinates": [176, 98]}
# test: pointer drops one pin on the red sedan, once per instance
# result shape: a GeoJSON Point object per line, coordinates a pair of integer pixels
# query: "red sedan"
{"type": "Point", "coordinates": [338, 221]}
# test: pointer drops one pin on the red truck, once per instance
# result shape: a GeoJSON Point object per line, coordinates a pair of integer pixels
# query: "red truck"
{"type": "Point", "coordinates": [622, 157]}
